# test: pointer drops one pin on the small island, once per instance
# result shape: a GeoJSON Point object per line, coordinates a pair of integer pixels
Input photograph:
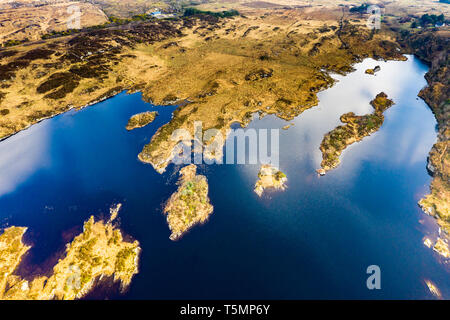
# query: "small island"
{"type": "Point", "coordinates": [440, 247]}
{"type": "Point", "coordinates": [141, 120]}
{"type": "Point", "coordinates": [373, 71]}
{"type": "Point", "coordinates": [270, 178]}
{"type": "Point", "coordinates": [433, 289]}
{"type": "Point", "coordinates": [354, 130]}
{"type": "Point", "coordinates": [98, 252]}
{"type": "Point", "coordinates": [190, 204]}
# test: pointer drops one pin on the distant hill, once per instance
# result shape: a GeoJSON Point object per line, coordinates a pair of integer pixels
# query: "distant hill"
{"type": "Point", "coordinates": [28, 19]}
{"type": "Point", "coordinates": [129, 8]}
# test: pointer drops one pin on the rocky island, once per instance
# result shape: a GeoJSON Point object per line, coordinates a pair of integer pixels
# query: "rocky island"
{"type": "Point", "coordinates": [433, 289]}
{"type": "Point", "coordinates": [373, 71]}
{"type": "Point", "coordinates": [354, 130]}
{"type": "Point", "coordinates": [98, 252]}
{"type": "Point", "coordinates": [432, 47]}
{"type": "Point", "coordinates": [12, 249]}
{"type": "Point", "coordinates": [216, 61]}
{"type": "Point", "coordinates": [189, 205]}
{"type": "Point", "coordinates": [270, 178]}
{"type": "Point", "coordinates": [141, 120]}
{"type": "Point", "coordinates": [232, 76]}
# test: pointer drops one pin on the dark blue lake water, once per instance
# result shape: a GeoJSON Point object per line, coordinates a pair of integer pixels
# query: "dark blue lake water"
{"type": "Point", "coordinates": [314, 240]}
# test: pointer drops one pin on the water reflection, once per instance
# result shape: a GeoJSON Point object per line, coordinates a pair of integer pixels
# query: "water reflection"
{"type": "Point", "coordinates": [315, 240]}
{"type": "Point", "coordinates": [405, 136]}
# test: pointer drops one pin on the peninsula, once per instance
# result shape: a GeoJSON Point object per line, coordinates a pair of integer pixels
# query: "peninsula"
{"type": "Point", "coordinates": [373, 71]}
{"type": "Point", "coordinates": [98, 252]}
{"type": "Point", "coordinates": [354, 130]}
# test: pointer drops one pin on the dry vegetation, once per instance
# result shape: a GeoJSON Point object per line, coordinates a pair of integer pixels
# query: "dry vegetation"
{"type": "Point", "coordinates": [355, 129]}
{"type": "Point", "coordinates": [141, 120]}
{"type": "Point", "coordinates": [273, 59]}
{"type": "Point", "coordinates": [270, 177]}
{"type": "Point", "coordinates": [189, 205]}
{"type": "Point", "coordinates": [99, 251]}
{"type": "Point", "coordinates": [441, 247]}
{"type": "Point", "coordinates": [45, 79]}
{"type": "Point", "coordinates": [32, 19]}
{"type": "Point", "coordinates": [309, 7]}
{"type": "Point", "coordinates": [11, 251]}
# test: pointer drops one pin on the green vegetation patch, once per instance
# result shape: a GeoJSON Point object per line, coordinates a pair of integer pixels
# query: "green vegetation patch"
{"type": "Point", "coordinates": [223, 14]}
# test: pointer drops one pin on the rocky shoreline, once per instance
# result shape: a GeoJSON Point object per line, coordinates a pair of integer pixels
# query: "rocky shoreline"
{"type": "Point", "coordinates": [432, 47]}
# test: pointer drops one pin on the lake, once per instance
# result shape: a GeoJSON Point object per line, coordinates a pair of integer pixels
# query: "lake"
{"type": "Point", "coordinates": [313, 241]}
